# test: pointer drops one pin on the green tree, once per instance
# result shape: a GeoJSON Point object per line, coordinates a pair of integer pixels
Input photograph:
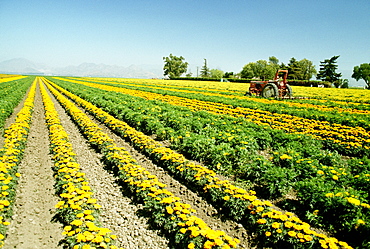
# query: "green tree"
{"type": "Point", "coordinates": [174, 66]}
{"type": "Point", "coordinates": [229, 75]}
{"type": "Point", "coordinates": [204, 72]}
{"type": "Point", "coordinates": [247, 71]}
{"type": "Point", "coordinates": [362, 72]}
{"type": "Point", "coordinates": [327, 70]}
{"type": "Point", "coordinates": [341, 83]}
{"type": "Point", "coordinates": [261, 69]}
{"type": "Point", "coordinates": [216, 73]}
{"type": "Point", "coordinates": [294, 69]}
{"type": "Point", "coordinates": [273, 60]}
{"type": "Point", "coordinates": [307, 69]}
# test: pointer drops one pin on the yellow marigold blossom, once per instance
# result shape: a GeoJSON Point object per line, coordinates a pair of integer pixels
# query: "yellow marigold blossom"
{"type": "Point", "coordinates": [88, 212]}
{"type": "Point", "coordinates": [169, 210]}
{"type": "Point", "coordinates": [268, 234]}
{"type": "Point", "coordinates": [292, 233]}
{"type": "Point", "coordinates": [79, 215]}
{"type": "Point", "coordinates": [191, 246]}
{"type": "Point", "coordinates": [354, 201]}
{"type": "Point", "coordinates": [76, 222]}
{"type": "Point", "coordinates": [275, 225]}
{"type": "Point", "coordinates": [261, 221]}
{"type": "Point", "coordinates": [288, 224]}
{"type": "Point", "coordinates": [359, 221]}
{"type": "Point", "coordinates": [329, 195]}
{"type": "Point", "coordinates": [285, 156]}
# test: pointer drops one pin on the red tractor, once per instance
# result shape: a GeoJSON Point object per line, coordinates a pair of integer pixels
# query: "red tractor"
{"type": "Point", "coordinates": [277, 88]}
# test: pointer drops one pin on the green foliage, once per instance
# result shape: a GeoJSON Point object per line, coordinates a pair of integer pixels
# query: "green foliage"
{"type": "Point", "coordinates": [216, 73]}
{"type": "Point", "coordinates": [362, 72]}
{"type": "Point", "coordinates": [174, 66]}
{"type": "Point", "coordinates": [204, 72]}
{"type": "Point", "coordinates": [327, 70]}
{"type": "Point", "coordinates": [260, 69]}
{"type": "Point", "coordinates": [11, 93]}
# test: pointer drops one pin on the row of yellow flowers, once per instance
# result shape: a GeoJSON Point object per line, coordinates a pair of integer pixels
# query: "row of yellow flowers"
{"type": "Point", "coordinates": [324, 108]}
{"type": "Point", "coordinates": [11, 78]}
{"type": "Point", "coordinates": [178, 217]}
{"type": "Point", "coordinates": [346, 136]}
{"type": "Point", "coordinates": [78, 209]}
{"type": "Point", "coordinates": [275, 225]}
{"type": "Point", "coordinates": [10, 156]}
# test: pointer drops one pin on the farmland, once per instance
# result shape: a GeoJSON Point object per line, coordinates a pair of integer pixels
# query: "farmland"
{"type": "Point", "coordinates": [129, 163]}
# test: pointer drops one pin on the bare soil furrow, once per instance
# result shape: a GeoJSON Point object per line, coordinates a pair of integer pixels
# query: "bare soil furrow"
{"type": "Point", "coordinates": [32, 225]}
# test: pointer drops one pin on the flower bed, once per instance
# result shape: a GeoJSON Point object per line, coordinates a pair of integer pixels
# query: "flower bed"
{"type": "Point", "coordinates": [269, 222]}
{"type": "Point", "coordinates": [10, 157]}
{"type": "Point", "coordinates": [169, 212]}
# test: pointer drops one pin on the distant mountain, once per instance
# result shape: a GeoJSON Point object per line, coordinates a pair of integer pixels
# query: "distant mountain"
{"type": "Point", "coordinates": [24, 66]}
{"type": "Point", "coordinates": [19, 66]}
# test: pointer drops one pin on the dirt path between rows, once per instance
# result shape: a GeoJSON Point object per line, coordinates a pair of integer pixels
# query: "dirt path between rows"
{"type": "Point", "coordinates": [32, 225]}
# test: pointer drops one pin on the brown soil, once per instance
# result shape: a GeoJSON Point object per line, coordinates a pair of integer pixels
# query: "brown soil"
{"type": "Point", "coordinates": [32, 225]}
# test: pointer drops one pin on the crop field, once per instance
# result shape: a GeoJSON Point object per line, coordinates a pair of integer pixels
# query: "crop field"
{"type": "Point", "coordinates": [147, 163]}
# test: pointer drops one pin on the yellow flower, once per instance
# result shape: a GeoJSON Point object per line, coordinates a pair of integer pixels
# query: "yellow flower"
{"type": "Point", "coordinates": [275, 225]}
{"type": "Point", "coordinates": [226, 198]}
{"type": "Point", "coordinates": [359, 221]}
{"type": "Point", "coordinates": [292, 233]}
{"type": "Point", "coordinates": [261, 221]}
{"type": "Point", "coordinates": [76, 222]}
{"type": "Point", "coordinates": [285, 156]}
{"type": "Point", "coordinates": [268, 234]}
{"type": "Point", "coordinates": [169, 210]}
{"type": "Point", "coordinates": [191, 246]}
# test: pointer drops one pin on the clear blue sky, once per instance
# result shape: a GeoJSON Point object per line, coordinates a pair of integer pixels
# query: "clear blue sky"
{"type": "Point", "coordinates": [229, 34]}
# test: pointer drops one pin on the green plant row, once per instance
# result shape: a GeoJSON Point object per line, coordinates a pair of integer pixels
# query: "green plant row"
{"type": "Point", "coordinates": [10, 157]}
{"type": "Point", "coordinates": [11, 93]}
{"type": "Point", "coordinates": [333, 116]}
{"type": "Point", "coordinates": [169, 212]}
{"type": "Point", "coordinates": [240, 204]}
{"type": "Point", "coordinates": [203, 137]}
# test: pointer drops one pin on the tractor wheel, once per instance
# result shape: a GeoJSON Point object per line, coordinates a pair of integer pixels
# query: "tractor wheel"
{"type": "Point", "coordinates": [270, 91]}
{"type": "Point", "coordinates": [289, 91]}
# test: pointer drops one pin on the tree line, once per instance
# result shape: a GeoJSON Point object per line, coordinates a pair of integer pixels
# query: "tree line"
{"type": "Point", "coordinates": [304, 69]}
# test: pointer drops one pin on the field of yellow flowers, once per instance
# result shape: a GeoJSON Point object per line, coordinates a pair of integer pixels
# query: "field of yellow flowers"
{"type": "Point", "coordinates": [293, 173]}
